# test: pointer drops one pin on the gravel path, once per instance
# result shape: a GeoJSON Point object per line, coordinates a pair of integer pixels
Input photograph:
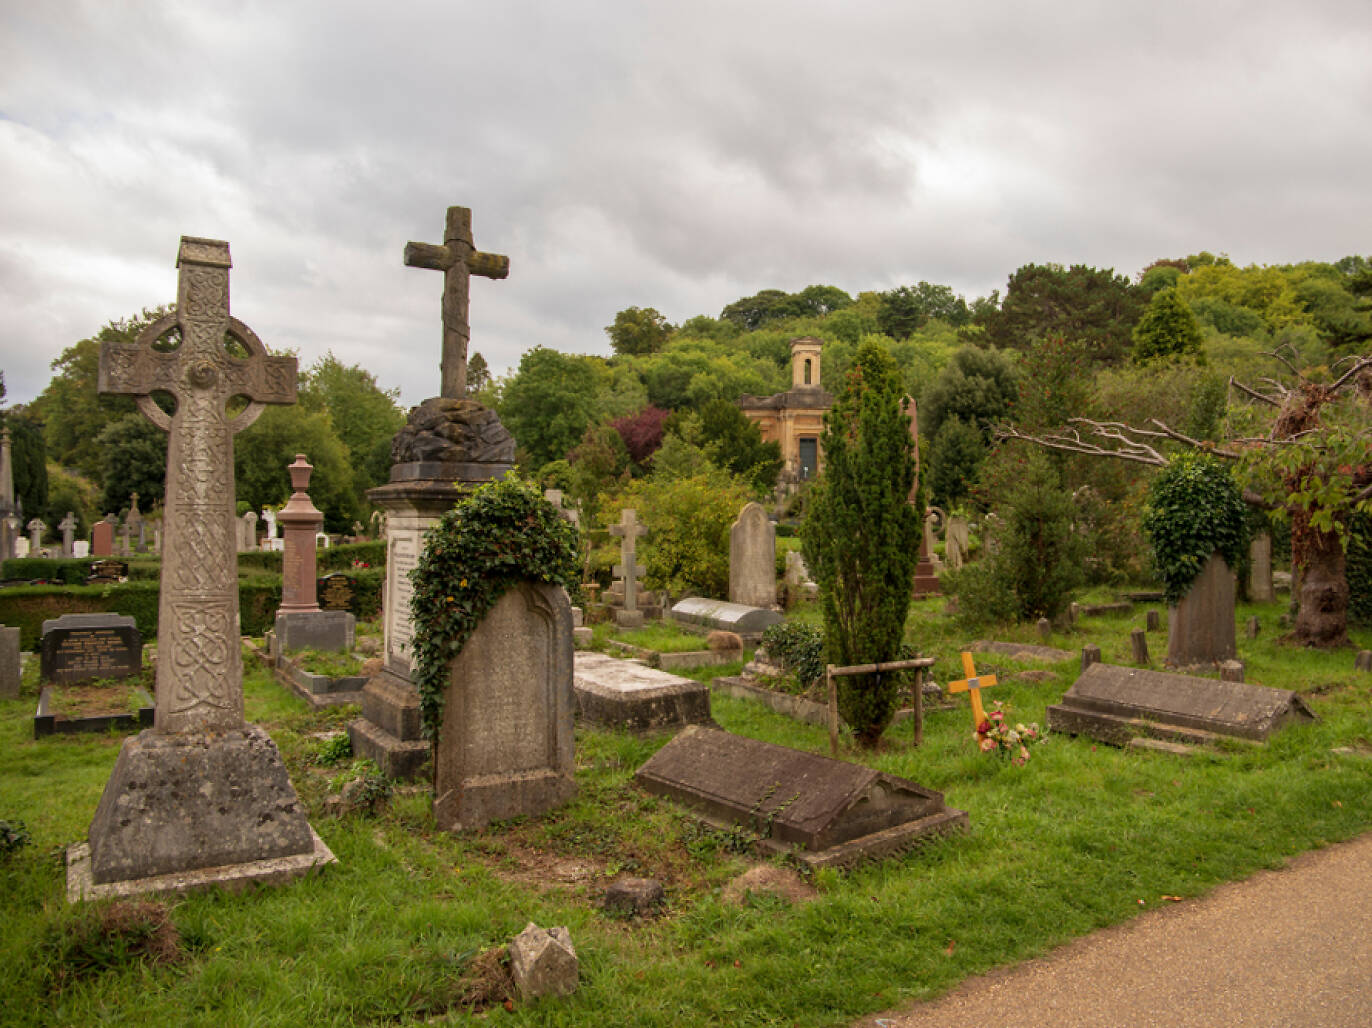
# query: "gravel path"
{"type": "Point", "coordinates": [1289, 947]}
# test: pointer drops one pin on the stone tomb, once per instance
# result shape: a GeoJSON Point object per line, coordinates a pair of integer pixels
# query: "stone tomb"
{"type": "Point", "coordinates": [1116, 704]}
{"type": "Point", "coordinates": [827, 812]}
{"type": "Point", "coordinates": [727, 617]}
{"type": "Point", "coordinates": [625, 694]}
{"type": "Point", "coordinates": [505, 747]}
{"type": "Point", "coordinates": [81, 647]}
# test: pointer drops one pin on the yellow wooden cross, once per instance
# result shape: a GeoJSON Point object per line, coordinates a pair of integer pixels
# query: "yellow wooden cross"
{"type": "Point", "coordinates": [972, 685]}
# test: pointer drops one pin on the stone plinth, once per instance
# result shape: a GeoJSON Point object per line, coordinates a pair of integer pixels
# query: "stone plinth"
{"type": "Point", "coordinates": [505, 748]}
{"type": "Point", "coordinates": [1200, 629]}
{"type": "Point", "coordinates": [625, 694]}
{"type": "Point", "coordinates": [752, 558]}
{"type": "Point", "coordinates": [300, 520]}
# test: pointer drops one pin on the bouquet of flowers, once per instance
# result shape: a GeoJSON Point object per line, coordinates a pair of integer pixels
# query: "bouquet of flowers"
{"type": "Point", "coordinates": [997, 735]}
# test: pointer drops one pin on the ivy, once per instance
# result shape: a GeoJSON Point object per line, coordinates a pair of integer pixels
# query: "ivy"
{"type": "Point", "coordinates": [1194, 509]}
{"type": "Point", "coordinates": [503, 534]}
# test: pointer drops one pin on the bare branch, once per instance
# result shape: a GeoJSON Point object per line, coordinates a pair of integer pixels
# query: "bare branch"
{"type": "Point", "coordinates": [1253, 393]}
{"type": "Point", "coordinates": [1172, 433]}
{"type": "Point", "coordinates": [1351, 373]}
{"type": "Point", "coordinates": [1276, 355]}
{"type": "Point", "coordinates": [1074, 443]}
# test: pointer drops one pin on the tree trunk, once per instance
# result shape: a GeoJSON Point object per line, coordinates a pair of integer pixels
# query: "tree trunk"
{"type": "Point", "coordinates": [1322, 619]}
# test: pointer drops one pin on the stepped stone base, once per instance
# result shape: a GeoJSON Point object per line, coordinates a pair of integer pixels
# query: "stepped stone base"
{"type": "Point", "coordinates": [388, 732]}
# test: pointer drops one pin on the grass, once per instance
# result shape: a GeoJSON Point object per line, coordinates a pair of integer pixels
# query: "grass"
{"type": "Point", "coordinates": [333, 664]}
{"type": "Point", "coordinates": [1081, 837]}
{"type": "Point", "coordinates": [662, 636]}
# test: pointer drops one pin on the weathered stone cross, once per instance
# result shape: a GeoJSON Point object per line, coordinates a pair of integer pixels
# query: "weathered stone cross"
{"type": "Point", "coordinates": [972, 685]}
{"type": "Point", "coordinates": [35, 527]}
{"type": "Point", "coordinates": [68, 528]}
{"type": "Point", "coordinates": [458, 259]}
{"type": "Point", "coordinates": [630, 531]}
{"type": "Point", "coordinates": [199, 668]}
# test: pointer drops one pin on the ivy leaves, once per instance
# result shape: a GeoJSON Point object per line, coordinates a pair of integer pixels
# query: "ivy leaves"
{"type": "Point", "coordinates": [504, 533]}
{"type": "Point", "coordinates": [1194, 509]}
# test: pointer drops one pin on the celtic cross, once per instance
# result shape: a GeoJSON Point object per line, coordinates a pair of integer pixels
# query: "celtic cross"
{"type": "Point", "coordinates": [458, 259]}
{"type": "Point", "coordinates": [217, 359]}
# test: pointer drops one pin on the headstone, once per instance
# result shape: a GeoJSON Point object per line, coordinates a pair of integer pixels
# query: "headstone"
{"type": "Point", "coordinates": [752, 558]}
{"type": "Point", "coordinates": [157, 538]}
{"type": "Point", "coordinates": [202, 798]}
{"type": "Point", "coordinates": [1363, 661]}
{"type": "Point", "coordinates": [956, 541]}
{"type": "Point", "coordinates": [81, 548]}
{"type": "Point", "coordinates": [1138, 640]}
{"type": "Point", "coordinates": [1090, 654]}
{"type": "Point", "coordinates": [67, 526]}
{"type": "Point", "coordinates": [357, 530]}
{"type": "Point", "coordinates": [505, 748]}
{"type": "Point", "coordinates": [1152, 620]}
{"type": "Point", "coordinates": [80, 647]}
{"type": "Point", "coordinates": [926, 570]}
{"type": "Point", "coordinates": [1045, 628]}
{"type": "Point", "coordinates": [628, 571]}
{"type": "Point", "coordinates": [624, 694]}
{"type": "Point", "coordinates": [9, 663]}
{"type": "Point", "coordinates": [1200, 629]}
{"type": "Point", "coordinates": [247, 532]}
{"type": "Point", "coordinates": [1231, 671]}
{"type": "Point", "coordinates": [1260, 569]}
{"type": "Point", "coordinates": [300, 624]}
{"type": "Point", "coordinates": [1114, 704]}
{"type": "Point", "coordinates": [125, 536]}
{"type": "Point", "coordinates": [102, 538]}
{"type": "Point", "coordinates": [543, 963]}
{"type": "Point", "coordinates": [8, 521]}
{"type": "Point", "coordinates": [134, 525]}
{"type": "Point", "coordinates": [322, 541]}
{"type": "Point", "coordinates": [1254, 627]}
{"type": "Point", "coordinates": [35, 527]}
{"type": "Point", "coordinates": [825, 812]}
{"type": "Point", "coordinates": [729, 617]}
{"type": "Point", "coordinates": [22, 547]}
{"type": "Point", "coordinates": [337, 591]}
{"type": "Point", "coordinates": [554, 496]}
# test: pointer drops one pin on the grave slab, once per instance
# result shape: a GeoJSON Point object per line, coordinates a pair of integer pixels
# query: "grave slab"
{"type": "Point", "coordinates": [1022, 651]}
{"type": "Point", "coordinates": [1115, 704]}
{"type": "Point", "coordinates": [827, 812]}
{"type": "Point", "coordinates": [625, 694]}
{"type": "Point", "coordinates": [730, 617]}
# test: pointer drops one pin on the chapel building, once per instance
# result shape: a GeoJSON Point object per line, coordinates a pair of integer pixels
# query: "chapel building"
{"type": "Point", "coordinates": [795, 418]}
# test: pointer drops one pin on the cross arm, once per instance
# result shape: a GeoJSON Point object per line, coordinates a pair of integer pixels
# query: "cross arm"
{"type": "Point", "coordinates": [131, 369]}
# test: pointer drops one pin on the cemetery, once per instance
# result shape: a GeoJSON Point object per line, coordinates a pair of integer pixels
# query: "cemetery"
{"type": "Point", "coordinates": [485, 735]}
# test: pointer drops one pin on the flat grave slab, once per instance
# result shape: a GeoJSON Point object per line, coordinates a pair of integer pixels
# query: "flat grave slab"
{"type": "Point", "coordinates": [729, 617]}
{"type": "Point", "coordinates": [1022, 651]}
{"type": "Point", "coordinates": [80, 647]}
{"type": "Point", "coordinates": [626, 694]}
{"type": "Point", "coordinates": [826, 812]}
{"type": "Point", "coordinates": [1116, 704]}
{"type": "Point", "coordinates": [47, 722]}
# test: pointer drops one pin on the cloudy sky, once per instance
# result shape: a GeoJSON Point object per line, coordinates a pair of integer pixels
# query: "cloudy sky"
{"type": "Point", "coordinates": [677, 156]}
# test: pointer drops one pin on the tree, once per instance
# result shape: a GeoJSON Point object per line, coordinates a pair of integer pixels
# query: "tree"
{"type": "Point", "coordinates": [134, 452]}
{"type": "Point", "coordinates": [641, 432]}
{"type": "Point", "coordinates": [754, 311]}
{"type": "Point", "coordinates": [861, 535]}
{"type": "Point", "coordinates": [1093, 306]}
{"type": "Point", "coordinates": [904, 310]}
{"type": "Point", "coordinates": [978, 386]}
{"type": "Point", "coordinates": [364, 416]}
{"type": "Point", "coordinates": [638, 331]}
{"type": "Point", "coordinates": [955, 455]}
{"type": "Point", "coordinates": [1167, 330]}
{"type": "Point", "coordinates": [548, 404]}
{"type": "Point", "coordinates": [478, 373]}
{"type": "Point", "coordinates": [262, 452]}
{"type": "Point", "coordinates": [28, 456]}
{"type": "Point", "coordinates": [735, 444]}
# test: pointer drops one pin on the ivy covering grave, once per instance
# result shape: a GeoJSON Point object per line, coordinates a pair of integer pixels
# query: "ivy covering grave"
{"type": "Point", "coordinates": [1194, 509]}
{"type": "Point", "coordinates": [503, 534]}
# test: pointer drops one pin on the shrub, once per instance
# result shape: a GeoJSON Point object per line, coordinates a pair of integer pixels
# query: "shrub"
{"type": "Point", "coordinates": [1194, 509]}
{"type": "Point", "coordinates": [799, 648]}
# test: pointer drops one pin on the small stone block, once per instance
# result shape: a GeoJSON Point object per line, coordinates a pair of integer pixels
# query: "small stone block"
{"type": "Point", "coordinates": [629, 618]}
{"type": "Point", "coordinates": [1045, 628]}
{"type": "Point", "coordinates": [634, 896]}
{"type": "Point", "coordinates": [582, 637]}
{"type": "Point", "coordinates": [543, 963]}
{"type": "Point", "coordinates": [1231, 671]}
{"type": "Point", "coordinates": [1254, 627]}
{"type": "Point", "coordinates": [9, 663]}
{"type": "Point", "coordinates": [578, 617]}
{"type": "Point", "coordinates": [1090, 654]}
{"type": "Point", "coordinates": [625, 694]}
{"type": "Point", "coordinates": [1138, 639]}
{"type": "Point", "coordinates": [1363, 661]}
{"type": "Point", "coordinates": [1152, 621]}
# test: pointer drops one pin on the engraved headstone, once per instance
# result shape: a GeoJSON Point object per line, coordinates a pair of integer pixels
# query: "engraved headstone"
{"type": "Point", "coordinates": [1260, 569]}
{"type": "Point", "coordinates": [956, 540]}
{"type": "Point", "coordinates": [337, 591]}
{"type": "Point", "coordinates": [1201, 629]}
{"type": "Point", "coordinates": [36, 528]}
{"type": "Point", "coordinates": [752, 558]}
{"type": "Point", "coordinates": [827, 812]}
{"type": "Point", "coordinates": [505, 748]}
{"type": "Point", "coordinates": [625, 694]}
{"type": "Point", "coordinates": [628, 571]}
{"type": "Point", "coordinates": [202, 797]}
{"type": "Point", "coordinates": [102, 538]}
{"type": "Point", "coordinates": [80, 647]}
{"type": "Point", "coordinates": [81, 548]}
{"type": "Point", "coordinates": [67, 526]}
{"type": "Point", "coordinates": [299, 622]}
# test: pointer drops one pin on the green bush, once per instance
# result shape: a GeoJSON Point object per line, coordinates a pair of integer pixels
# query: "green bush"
{"type": "Point", "coordinates": [1358, 568]}
{"type": "Point", "coordinates": [68, 570]}
{"type": "Point", "coordinates": [797, 647]}
{"type": "Point", "coordinates": [1195, 508]}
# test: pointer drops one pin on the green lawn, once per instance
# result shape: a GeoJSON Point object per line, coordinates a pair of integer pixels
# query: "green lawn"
{"type": "Point", "coordinates": [1082, 837]}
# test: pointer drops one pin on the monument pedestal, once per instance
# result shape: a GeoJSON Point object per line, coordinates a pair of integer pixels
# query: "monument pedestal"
{"type": "Point", "coordinates": [332, 631]}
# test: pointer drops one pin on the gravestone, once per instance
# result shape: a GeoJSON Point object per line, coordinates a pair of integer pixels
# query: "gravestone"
{"type": "Point", "coordinates": [272, 540]}
{"type": "Point", "coordinates": [36, 527]}
{"type": "Point", "coordinates": [321, 539]}
{"type": "Point", "coordinates": [80, 647]}
{"type": "Point", "coordinates": [1115, 704]}
{"type": "Point", "coordinates": [9, 523]}
{"type": "Point", "coordinates": [1260, 569]}
{"type": "Point", "coordinates": [752, 558]}
{"type": "Point", "coordinates": [506, 748]}
{"type": "Point", "coordinates": [125, 532]}
{"type": "Point", "coordinates": [1138, 641]}
{"type": "Point", "coordinates": [81, 548]}
{"type": "Point", "coordinates": [357, 531]}
{"type": "Point", "coordinates": [22, 547]}
{"type": "Point", "coordinates": [300, 624]}
{"type": "Point", "coordinates": [624, 694]}
{"type": "Point", "coordinates": [67, 526]}
{"type": "Point", "coordinates": [247, 532]}
{"type": "Point", "coordinates": [728, 617]}
{"type": "Point", "coordinates": [201, 798]}
{"type": "Point", "coordinates": [1363, 661]}
{"type": "Point", "coordinates": [102, 538]}
{"type": "Point", "coordinates": [825, 812]}
{"type": "Point", "coordinates": [134, 527]}
{"type": "Point", "coordinates": [10, 667]}
{"type": "Point", "coordinates": [337, 591]}
{"type": "Point", "coordinates": [1200, 629]}
{"type": "Point", "coordinates": [956, 540]}
{"type": "Point", "coordinates": [108, 570]}
{"type": "Point", "coordinates": [449, 445]}
{"type": "Point", "coordinates": [627, 571]}
{"type": "Point", "coordinates": [927, 569]}
{"type": "Point", "coordinates": [554, 496]}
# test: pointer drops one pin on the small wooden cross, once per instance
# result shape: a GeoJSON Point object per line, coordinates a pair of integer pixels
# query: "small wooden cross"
{"type": "Point", "coordinates": [458, 259]}
{"type": "Point", "coordinates": [973, 685]}
{"type": "Point", "coordinates": [629, 530]}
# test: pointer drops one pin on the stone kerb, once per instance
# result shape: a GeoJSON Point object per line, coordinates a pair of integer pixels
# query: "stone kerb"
{"type": "Point", "coordinates": [752, 558]}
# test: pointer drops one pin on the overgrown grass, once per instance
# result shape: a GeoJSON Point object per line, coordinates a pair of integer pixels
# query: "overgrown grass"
{"type": "Point", "coordinates": [1083, 836]}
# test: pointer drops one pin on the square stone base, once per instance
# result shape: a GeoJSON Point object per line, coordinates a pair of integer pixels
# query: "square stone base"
{"type": "Point", "coordinates": [405, 759]}
{"type": "Point", "coordinates": [629, 618]}
{"type": "Point", "coordinates": [331, 631]}
{"type": "Point", "coordinates": [233, 877]}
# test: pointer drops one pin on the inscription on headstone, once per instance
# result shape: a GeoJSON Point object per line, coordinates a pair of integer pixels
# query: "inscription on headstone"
{"type": "Point", "coordinates": [337, 591]}
{"type": "Point", "coordinates": [80, 647]}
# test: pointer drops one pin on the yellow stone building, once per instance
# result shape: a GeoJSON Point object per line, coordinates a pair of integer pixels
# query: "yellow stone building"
{"type": "Point", "coordinates": [795, 418]}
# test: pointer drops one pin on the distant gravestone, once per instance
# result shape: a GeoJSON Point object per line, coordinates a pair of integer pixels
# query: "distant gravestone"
{"type": "Point", "coordinates": [102, 538]}
{"type": "Point", "coordinates": [337, 591]}
{"type": "Point", "coordinates": [81, 647]}
{"type": "Point", "coordinates": [827, 812]}
{"type": "Point", "coordinates": [1260, 569]}
{"type": "Point", "coordinates": [81, 548]}
{"type": "Point", "coordinates": [247, 532]}
{"type": "Point", "coordinates": [125, 536]}
{"type": "Point", "coordinates": [272, 541]}
{"type": "Point", "coordinates": [956, 540]}
{"type": "Point", "coordinates": [625, 694]}
{"type": "Point", "coordinates": [135, 526]}
{"type": "Point", "coordinates": [1114, 704]}
{"type": "Point", "coordinates": [505, 748]}
{"type": "Point", "coordinates": [300, 623]}
{"type": "Point", "coordinates": [752, 558]}
{"type": "Point", "coordinates": [22, 547]}
{"type": "Point", "coordinates": [1200, 629]}
{"type": "Point", "coordinates": [728, 617]}
{"type": "Point", "coordinates": [554, 496]}
{"type": "Point", "coordinates": [628, 571]}
{"type": "Point", "coordinates": [67, 526]}
{"type": "Point", "coordinates": [36, 528]}
{"type": "Point", "coordinates": [9, 663]}
{"type": "Point", "coordinates": [1363, 661]}
{"type": "Point", "coordinates": [107, 571]}
{"type": "Point", "coordinates": [9, 523]}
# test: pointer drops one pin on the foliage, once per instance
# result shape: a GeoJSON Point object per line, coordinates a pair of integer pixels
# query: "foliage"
{"type": "Point", "coordinates": [548, 404]}
{"type": "Point", "coordinates": [861, 535]}
{"type": "Point", "coordinates": [1167, 330]}
{"type": "Point", "coordinates": [14, 836]}
{"type": "Point", "coordinates": [28, 460]}
{"type": "Point", "coordinates": [953, 461]}
{"type": "Point", "coordinates": [1052, 387]}
{"type": "Point", "coordinates": [1194, 509]}
{"type": "Point", "coordinates": [727, 438]}
{"type": "Point", "coordinates": [134, 453]}
{"type": "Point", "coordinates": [978, 386]}
{"type": "Point", "coordinates": [1359, 569]}
{"type": "Point", "coordinates": [641, 432]}
{"type": "Point", "coordinates": [638, 331]}
{"type": "Point", "coordinates": [686, 550]}
{"type": "Point", "coordinates": [797, 647]}
{"type": "Point", "coordinates": [478, 373]}
{"type": "Point", "coordinates": [262, 452]}
{"type": "Point", "coordinates": [503, 534]}
{"type": "Point", "coordinates": [905, 309]}
{"type": "Point", "coordinates": [68, 491]}
{"type": "Point", "coordinates": [772, 305]}
{"type": "Point", "coordinates": [995, 735]}
{"type": "Point", "coordinates": [1093, 307]}
{"type": "Point", "coordinates": [364, 417]}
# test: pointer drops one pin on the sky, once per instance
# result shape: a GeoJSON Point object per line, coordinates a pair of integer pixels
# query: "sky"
{"type": "Point", "coordinates": [668, 155]}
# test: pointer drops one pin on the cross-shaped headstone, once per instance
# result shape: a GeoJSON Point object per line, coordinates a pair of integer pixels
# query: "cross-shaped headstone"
{"type": "Point", "coordinates": [35, 527]}
{"type": "Point", "coordinates": [972, 685]}
{"type": "Point", "coordinates": [68, 528]}
{"type": "Point", "coordinates": [629, 531]}
{"type": "Point", "coordinates": [458, 259]}
{"type": "Point", "coordinates": [217, 358]}
{"type": "Point", "coordinates": [135, 521]}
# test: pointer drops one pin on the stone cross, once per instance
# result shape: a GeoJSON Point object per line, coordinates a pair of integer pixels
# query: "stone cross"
{"type": "Point", "coordinates": [458, 259]}
{"type": "Point", "coordinates": [972, 685]}
{"type": "Point", "coordinates": [35, 527]}
{"type": "Point", "coordinates": [217, 358]}
{"type": "Point", "coordinates": [135, 521]}
{"type": "Point", "coordinates": [629, 531]}
{"type": "Point", "coordinates": [68, 528]}
{"type": "Point", "coordinates": [125, 528]}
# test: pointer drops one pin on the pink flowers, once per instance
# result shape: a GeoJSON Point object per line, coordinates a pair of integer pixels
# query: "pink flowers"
{"type": "Point", "coordinates": [996, 735]}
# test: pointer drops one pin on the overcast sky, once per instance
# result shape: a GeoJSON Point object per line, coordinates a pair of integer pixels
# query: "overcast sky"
{"type": "Point", "coordinates": [676, 156]}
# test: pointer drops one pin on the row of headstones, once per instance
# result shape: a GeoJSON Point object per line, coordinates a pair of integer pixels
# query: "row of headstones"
{"type": "Point", "coordinates": [248, 540]}
{"type": "Point", "coordinates": [108, 536]}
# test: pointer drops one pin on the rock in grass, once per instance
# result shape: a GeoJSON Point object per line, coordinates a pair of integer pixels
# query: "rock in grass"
{"type": "Point", "coordinates": [543, 963]}
{"type": "Point", "coordinates": [632, 896]}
